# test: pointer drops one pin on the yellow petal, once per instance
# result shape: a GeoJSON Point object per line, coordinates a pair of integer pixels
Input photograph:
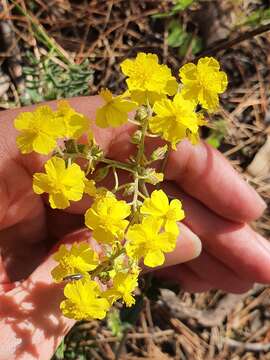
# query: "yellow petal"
{"type": "Point", "coordinates": [154, 258]}
{"type": "Point", "coordinates": [55, 167]}
{"type": "Point", "coordinates": [58, 201]}
{"type": "Point", "coordinates": [44, 144]}
{"type": "Point", "coordinates": [25, 142]}
{"type": "Point", "coordinates": [24, 121]}
{"type": "Point", "coordinates": [41, 183]}
{"type": "Point", "coordinates": [106, 94]}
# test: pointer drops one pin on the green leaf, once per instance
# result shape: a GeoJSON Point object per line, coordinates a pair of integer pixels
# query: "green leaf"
{"type": "Point", "coordinates": [60, 352]}
{"type": "Point", "coordinates": [217, 133]}
{"type": "Point", "coordinates": [115, 324]}
{"type": "Point", "coordinates": [177, 35]}
{"type": "Point", "coordinates": [182, 5]}
{"type": "Point", "coordinates": [213, 141]}
{"type": "Point", "coordinates": [258, 17]}
{"type": "Point", "coordinates": [191, 41]}
{"type": "Point", "coordinates": [162, 15]}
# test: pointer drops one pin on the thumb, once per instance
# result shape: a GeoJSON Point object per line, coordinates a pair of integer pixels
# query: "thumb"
{"type": "Point", "coordinates": [31, 323]}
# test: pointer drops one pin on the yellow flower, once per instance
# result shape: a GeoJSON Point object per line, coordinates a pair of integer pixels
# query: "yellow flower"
{"type": "Point", "coordinates": [76, 124]}
{"type": "Point", "coordinates": [123, 286]}
{"type": "Point", "coordinates": [84, 301]}
{"type": "Point", "coordinates": [91, 189]}
{"type": "Point", "coordinates": [61, 183]}
{"type": "Point", "coordinates": [39, 130]}
{"type": "Point", "coordinates": [107, 217]}
{"type": "Point", "coordinates": [80, 259]}
{"type": "Point", "coordinates": [145, 240]}
{"type": "Point", "coordinates": [115, 110]}
{"type": "Point", "coordinates": [147, 79]}
{"type": "Point", "coordinates": [176, 120]}
{"type": "Point", "coordinates": [158, 206]}
{"type": "Point", "coordinates": [204, 82]}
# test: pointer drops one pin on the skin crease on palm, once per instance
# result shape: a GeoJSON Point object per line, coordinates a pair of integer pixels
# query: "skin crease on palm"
{"type": "Point", "coordinates": [218, 205]}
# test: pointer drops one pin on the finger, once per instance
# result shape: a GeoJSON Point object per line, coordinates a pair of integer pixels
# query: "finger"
{"type": "Point", "coordinates": [188, 247]}
{"type": "Point", "coordinates": [236, 245]}
{"type": "Point", "coordinates": [218, 274]}
{"type": "Point", "coordinates": [207, 176]}
{"type": "Point", "coordinates": [188, 280]}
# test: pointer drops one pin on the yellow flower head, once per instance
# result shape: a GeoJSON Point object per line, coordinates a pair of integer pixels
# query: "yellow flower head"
{"type": "Point", "coordinates": [115, 110]}
{"type": "Point", "coordinates": [158, 206]}
{"type": "Point", "coordinates": [123, 286]}
{"type": "Point", "coordinates": [147, 79]}
{"type": "Point", "coordinates": [106, 218]}
{"type": "Point", "coordinates": [146, 241]}
{"type": "Point", "coordinates": [39, 130]}
{"type": "Point", "coordinates": [61, 183]}
{"type": "Point", "coordinates": [84, 301]}
{"type": "Point", "coordinates": [78, 260]}
{"type": "Point", "coordinates": [203, 82]}
{"type": "Point", "coordinates": [176, 120]}
{"type": "Point", "coordinates": [76, 124]}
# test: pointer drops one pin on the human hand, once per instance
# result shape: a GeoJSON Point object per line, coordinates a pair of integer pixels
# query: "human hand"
{"type": "Point", "coordinates": [217, 202]}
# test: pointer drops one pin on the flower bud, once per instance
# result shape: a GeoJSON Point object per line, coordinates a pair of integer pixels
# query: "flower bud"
{"type": "Point", "coordinates": [152, 177]}
{"type": "Point", "coordinates": [159, 153]}
{"type": "Point", "coordinates": [136, 137]}
{"type": "Point", "coordinates": [141, 114]}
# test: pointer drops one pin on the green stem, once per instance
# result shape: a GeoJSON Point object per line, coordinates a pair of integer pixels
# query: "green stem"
{"type": "Point", "coordinates": [88, 169]}
{"type": "Point", "coordinates": [118, 165]}
{"type": "Point", "coordinates": [144, 189]}
{"type": "Point", "coordinates": [123, 186]}
{"type": "Point", "coordinates": [112, 163]}
{"type": "Point", "coordinates": [106, 265]}
{"type": "Point", "coordinates": [59, 150]}
{"type": "Point", "coordinates": [142, 195]}
{"type": "Point", "coordinates": [139, 158]}
{"type": "Point", "coordinates": [116, 185]}
{"type": "Point", "coordinates": [135, 195]}
{"type": "Point", "coordinates": [141, 144]}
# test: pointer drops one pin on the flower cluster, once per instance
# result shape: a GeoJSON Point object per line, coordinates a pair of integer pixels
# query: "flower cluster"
{"type": "Point", "coordinates": [130, 226]}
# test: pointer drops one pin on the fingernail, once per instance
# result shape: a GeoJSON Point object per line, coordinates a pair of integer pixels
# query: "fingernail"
{"type": "Point", "coordinates": [259, 199]}
{"type": "Point", "coordinates": [263, 203]}
{"type": "Point", "coordinates": [185, 232]}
